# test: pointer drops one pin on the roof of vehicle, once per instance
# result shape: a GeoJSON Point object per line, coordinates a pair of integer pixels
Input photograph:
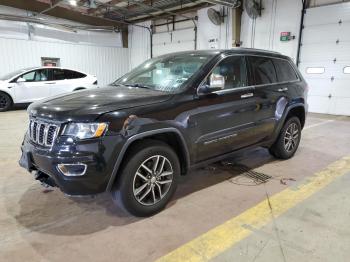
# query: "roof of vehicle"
{"type": "Point", "coordinates": [238, 50]}
{"type": "Point", "coordinates": [50, 67]}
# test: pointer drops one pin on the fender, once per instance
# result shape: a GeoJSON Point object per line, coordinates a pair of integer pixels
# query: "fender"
{"type": "Point", "coordinates": [282, 118]}
{"type": "Point", "coordinates": [144, 135]}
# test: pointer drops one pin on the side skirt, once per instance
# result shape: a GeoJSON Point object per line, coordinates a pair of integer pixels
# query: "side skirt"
{"type": "Point", "coordinates": [227, 155]}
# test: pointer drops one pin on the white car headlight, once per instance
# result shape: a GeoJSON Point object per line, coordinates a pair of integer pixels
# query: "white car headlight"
{"type": "Point", "coordinates": [85, 130]}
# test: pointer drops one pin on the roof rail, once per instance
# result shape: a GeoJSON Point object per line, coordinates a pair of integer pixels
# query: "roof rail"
{"type": "Point", "coordinates": [255, 49]}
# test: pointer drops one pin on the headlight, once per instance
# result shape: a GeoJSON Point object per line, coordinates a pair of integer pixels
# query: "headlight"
{"type": "Point", "coordinates": [85, 130]}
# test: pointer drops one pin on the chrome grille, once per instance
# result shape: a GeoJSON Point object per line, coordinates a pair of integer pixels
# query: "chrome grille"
{"type": "Point", "coordinates": [42, 132]}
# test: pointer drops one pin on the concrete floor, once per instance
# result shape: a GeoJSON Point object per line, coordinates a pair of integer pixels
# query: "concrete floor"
{"type": "Point", "coordinates": [39, 225]}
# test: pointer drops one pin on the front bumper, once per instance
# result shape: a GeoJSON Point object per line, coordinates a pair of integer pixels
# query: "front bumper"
{"type": "Point", "coordinates": [98, 154]}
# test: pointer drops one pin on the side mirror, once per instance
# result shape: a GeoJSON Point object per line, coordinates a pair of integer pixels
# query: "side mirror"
{"type": "Point", "coordinates": [214, 83]}
{"type": "Point", "coordinates": [217, 82]}
{"type": "Point", "coordinates": [21, 80]}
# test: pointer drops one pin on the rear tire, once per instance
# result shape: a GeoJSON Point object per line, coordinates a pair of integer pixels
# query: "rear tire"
{"type": "Point", "coordinates": [148, 178]}
{"type": "Point", "coordinates": [5, 102]}
{"type": "Point", "coordinates": [288, 140]}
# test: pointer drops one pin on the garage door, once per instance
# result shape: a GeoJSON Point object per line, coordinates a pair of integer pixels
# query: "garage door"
{"type": "Point", "coordinates": [325, 58]}
{"type": "Point", "coordinates": [174, 41]}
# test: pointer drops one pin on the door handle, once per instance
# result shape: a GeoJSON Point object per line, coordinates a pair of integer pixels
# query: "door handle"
{"type": "Point", "coordinates": [247, 95]}
{"type": "Point", "coordinates": [282, 89]}
{"type": "Point", "coordinates": [52, 83]}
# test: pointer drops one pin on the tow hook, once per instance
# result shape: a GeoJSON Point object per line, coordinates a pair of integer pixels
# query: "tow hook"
{"type": "Point", "coordinates": [44, 179]}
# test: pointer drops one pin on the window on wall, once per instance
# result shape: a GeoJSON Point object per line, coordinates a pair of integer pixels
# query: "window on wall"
{"type": "Point", "coordinates": [315, 70]}
{"type": "Point", "coordinates": [284, 70]}
{"type": "Point", "coordinates": [346, 70]}
{"type": "Point", "coordinates": [263, 70]}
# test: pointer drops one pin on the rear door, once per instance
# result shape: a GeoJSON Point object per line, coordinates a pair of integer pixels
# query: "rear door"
{"type": "Point", "coordinates": [33, 88]}
{"type": "Point", "coordinates": [268, 75]}
{"type": "Point", "coordinates": [224, 117]}
{"type": "Point", "coordinates": [59, 83]}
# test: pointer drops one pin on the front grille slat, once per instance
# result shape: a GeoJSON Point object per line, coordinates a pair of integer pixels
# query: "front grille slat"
{"type": "Point", "coordinates": [43, 133]}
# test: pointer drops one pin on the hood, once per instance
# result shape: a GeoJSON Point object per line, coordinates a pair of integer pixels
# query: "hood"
{"type": "Point", "coordinates": [87, 105]}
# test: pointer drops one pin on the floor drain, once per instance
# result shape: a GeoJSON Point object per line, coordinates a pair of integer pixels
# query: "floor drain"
{"type": "Point", "coordinates": [245, 176]}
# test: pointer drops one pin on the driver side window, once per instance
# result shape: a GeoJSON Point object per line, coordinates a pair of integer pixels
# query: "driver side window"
{"type": "Point", "coordinates": [228, 74]}
{"type": "Point", "coordinates": [35, 76]}
{"type": "Point", "coordinates": [29, 77]}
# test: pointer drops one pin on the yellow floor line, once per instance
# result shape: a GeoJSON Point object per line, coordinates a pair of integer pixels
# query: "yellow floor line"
{"type": "Point", "coordinates": [224, 236]}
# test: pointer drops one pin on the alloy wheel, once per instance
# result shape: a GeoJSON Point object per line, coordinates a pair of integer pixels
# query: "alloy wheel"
{"type": "Point", "coordinates": [152, 180]}
{"type": "Point", "coordinates": [291, 137]}
{"type": "Point", "coordinates": [3, 101]}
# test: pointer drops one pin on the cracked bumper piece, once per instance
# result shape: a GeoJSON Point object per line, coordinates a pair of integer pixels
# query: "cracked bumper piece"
{"type": "Point", "coordinates": [78, 167]}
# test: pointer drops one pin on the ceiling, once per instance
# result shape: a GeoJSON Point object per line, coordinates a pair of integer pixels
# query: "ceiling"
{"type": "Point", "coordinates": [118, 13]}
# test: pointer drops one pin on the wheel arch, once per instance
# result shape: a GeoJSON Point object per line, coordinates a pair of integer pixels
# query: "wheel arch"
{"type": "Point", "coordinates": [171, 136]}
{"type": "Point", "coordinates": [12, 100]}
{"type": "Point", "coordinates": [297, 110]}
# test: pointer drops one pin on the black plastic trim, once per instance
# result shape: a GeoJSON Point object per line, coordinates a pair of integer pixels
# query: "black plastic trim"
{"type": "Point", "coordinates": [137, 137]}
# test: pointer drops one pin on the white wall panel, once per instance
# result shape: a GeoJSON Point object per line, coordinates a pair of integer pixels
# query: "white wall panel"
{"type": "Point", "coordinates": [173, 41]}
{"type": "Point", "coordinates": [161, 38]}
{"type": "Point", "coordinates": [264, 32]}
{"type": "Point", "coordinates": [208, 31]}
{"type": "Point", "coordinates": [139, 44]}
{"type": "Point", "coordinates": [107, 63]}
{"type": "Point", "coordinates": [326, 43]}
{"type": "Point", "coordinates": [184, 35]}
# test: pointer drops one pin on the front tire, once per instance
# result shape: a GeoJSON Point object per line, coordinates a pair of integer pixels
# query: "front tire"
{"type": "Point", "coordinates": [5, 102]}
{"type": "Point", "coordinates": [148, 179]}
{"type": "Point", "coordinates": [288, 140]}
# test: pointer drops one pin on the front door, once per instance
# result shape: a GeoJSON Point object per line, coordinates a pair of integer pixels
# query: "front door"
{"type": "Point", "coordinates": [32, 86]}
{"type": "Point", "coordinates": [224, 117]}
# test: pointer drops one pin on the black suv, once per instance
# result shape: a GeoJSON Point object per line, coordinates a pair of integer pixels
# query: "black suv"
{"type": "Point", "coordinates": [135, 137]}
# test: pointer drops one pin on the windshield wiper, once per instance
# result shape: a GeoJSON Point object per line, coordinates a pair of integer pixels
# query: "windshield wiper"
{"type": "Point", "coordinates": [115, 84]}
{"type": "Point", "coordinates": [138, 85]}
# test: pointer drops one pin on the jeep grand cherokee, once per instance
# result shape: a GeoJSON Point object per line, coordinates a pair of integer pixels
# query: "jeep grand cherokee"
{"type": "Point", "coordinates": [135, 137]}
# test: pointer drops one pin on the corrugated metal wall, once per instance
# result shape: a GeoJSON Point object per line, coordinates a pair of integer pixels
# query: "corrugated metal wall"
{"type": "Point", "coordinates": [107, 63]}
{"type": "Point", "coordinates": [139, 44]}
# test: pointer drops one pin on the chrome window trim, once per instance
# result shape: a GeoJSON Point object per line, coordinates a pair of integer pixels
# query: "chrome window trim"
{"type": "Point", "coordinates": [240, 88]}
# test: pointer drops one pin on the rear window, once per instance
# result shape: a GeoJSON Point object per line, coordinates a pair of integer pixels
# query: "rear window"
{"type": "Point", "coordinates": [263, 70]}
{"type": "Point", "coordinates": [58, 74]}
{"type": "Point", "coordinates": [70, 74]}
{"type": "Point", "coordinates": [285, 71]}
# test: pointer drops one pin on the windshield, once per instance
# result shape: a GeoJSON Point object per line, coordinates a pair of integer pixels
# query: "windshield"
{"type": "Point", "coordinates": [12, 74]}
{"type": "Point", "coordinates": [167, 73]}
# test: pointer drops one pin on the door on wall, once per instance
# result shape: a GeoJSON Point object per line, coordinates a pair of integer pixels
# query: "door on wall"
{"type": "Point", "coordinates": [325, 58]}
{"type": "Point", "coordinates": [174, 41]}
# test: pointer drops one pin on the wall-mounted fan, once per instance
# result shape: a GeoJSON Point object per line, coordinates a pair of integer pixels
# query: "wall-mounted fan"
{"type": "Point", "coordinates": [253, 8]}
{"type": "Point", "coordinates": [215, 17]}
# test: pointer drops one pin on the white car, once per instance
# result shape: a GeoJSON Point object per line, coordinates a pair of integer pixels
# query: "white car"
{"type": "Point", "coordinates": [32, 84]}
